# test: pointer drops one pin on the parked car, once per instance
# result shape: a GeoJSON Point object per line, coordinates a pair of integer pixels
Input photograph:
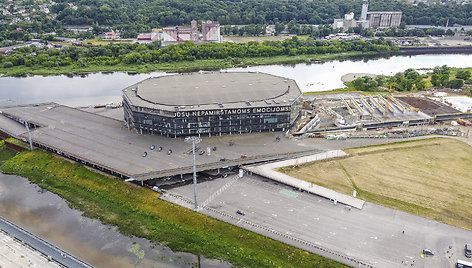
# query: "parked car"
{"type": "Point", "coordinates": [144, 154]}
{"type": "Point", "coordinates": [201, 152]}
{"type": "Point", "coordinates": [240, 212]}
{"type": "Point", "coordinates": [160, 148]}
{"type": "Point", "coordinates": [169, 151]}
{"type": "Point", "coordinates": [243, 156]}
{"type": "Point", "coordinates": [222, 159]}
{"type": "Point", "coordinates": [428, 252]}
{"type": "Point", "coordinates": [468, 250]}
{"type": "Point", "coordinates": [153, 147]}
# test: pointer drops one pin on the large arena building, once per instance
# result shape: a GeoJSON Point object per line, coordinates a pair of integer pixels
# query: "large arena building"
{"type": "Point", "coordinates": [212, 103]}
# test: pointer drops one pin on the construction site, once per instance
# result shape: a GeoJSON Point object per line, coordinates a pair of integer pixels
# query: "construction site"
{"type": "Point", "coordinates": [356, 111]}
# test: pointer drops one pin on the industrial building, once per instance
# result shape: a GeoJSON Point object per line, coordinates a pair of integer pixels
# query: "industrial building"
{"type": "Point", "coordinates": [212, 103]}
{"type": "Point", "coordinates": [176, 34]}
{"type": "Point", "coordinates": [370, 19]}
{"type": "Point", "coordinates": [384, 19]}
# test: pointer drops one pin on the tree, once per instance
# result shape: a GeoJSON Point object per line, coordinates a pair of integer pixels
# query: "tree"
{"type": "Point", "coordinates": [279, 27]}
{"type": "Point", "coordinates": [406, 84]}
{"type": "Point", "coordinates": [455, 83]}
{"type": "Point", "coordinates": [450, 32]}
{"type": "Point", "coordinates": [7, 64]}
{"type": "Point", "coordinates": [420, 85]}
{"type": "Point", "coordinates": [435, 80]}
{"type": "Point", "coordinates": [463, 74]}
{"type": "Point", "coordinates": [444, 79]}
{"type": "Point", "coordinates": [293, 27]}
{"type": "Point", "coordinates": [411, 74]}
{"type": "Point", "coordinates": [442, 69]}
{"type": "Point", "coordinates": [365, 83]}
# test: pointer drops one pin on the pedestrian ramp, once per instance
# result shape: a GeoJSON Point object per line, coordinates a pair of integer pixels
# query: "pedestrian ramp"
{"type": "Point", "coordinates": [268, 171]}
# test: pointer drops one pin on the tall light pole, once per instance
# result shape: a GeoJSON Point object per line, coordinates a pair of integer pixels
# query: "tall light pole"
{"type": "Point", "coordinates": [194, 140]}
{"type": "Point", "coordinates": [29, 135]}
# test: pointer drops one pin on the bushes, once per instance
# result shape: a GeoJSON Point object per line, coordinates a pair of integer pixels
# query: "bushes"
{"type": "Point", "coordinates": [455, 83]}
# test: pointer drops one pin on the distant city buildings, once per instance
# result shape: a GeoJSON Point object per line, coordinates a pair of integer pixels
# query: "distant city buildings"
{"type": "Point", "coordinates": [177, 34]}
{"type": "Point", "coordinates": [373, 19]}
{"type": "Point", "coordinates": [16, 11]}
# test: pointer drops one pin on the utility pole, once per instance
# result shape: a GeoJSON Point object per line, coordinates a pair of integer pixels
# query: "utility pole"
{"type": "Point", "coordinates": [194, 140]}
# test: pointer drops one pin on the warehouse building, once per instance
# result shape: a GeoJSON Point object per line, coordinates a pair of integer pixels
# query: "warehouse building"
{"type": "Point", "coordinates": [212, 103]}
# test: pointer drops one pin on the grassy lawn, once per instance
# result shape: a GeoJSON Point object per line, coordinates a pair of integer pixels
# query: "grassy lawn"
{"type": "Point", "coordinates": [182, 66]}
{"type": "Point", "coordinates": [138, 211]}
{"type": "Point", "coordinates": [5, 153]}
{"type": "Point", "coordinates": [430, 178]}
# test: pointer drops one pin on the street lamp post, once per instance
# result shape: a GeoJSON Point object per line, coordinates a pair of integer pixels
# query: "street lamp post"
{"type": "Point", "coordinates": [29, 135]}
{"type": "Point", "coordinates": [194, 140]}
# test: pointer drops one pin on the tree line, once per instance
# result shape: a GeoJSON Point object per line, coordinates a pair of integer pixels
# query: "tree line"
{"type": "Point", "coordinates": [137, 16]}
{"type": "Point", "coordinates": [411, 80]}
{"type": "Point", "coordinates": [125, 53]}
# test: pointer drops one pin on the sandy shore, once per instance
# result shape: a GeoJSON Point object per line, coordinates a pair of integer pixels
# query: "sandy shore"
{"type": "Point", "coordinates": [352, 76]}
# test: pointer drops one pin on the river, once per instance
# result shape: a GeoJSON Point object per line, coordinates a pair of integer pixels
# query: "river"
{"type": "Point", "coordinates": [48, 216]}
{"type": "Point", "coordinates": [102, 88]}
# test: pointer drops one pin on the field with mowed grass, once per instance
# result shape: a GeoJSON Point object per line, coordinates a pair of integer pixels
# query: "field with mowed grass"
{"type": "Point", "coordinates": [138, 211]}
{"type": "Point", "coordinates": [431, 178]}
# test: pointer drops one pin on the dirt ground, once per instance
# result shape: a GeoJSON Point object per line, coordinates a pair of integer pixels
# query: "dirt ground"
{"type": "Point", "coordinates": [427, 106]}
{"type": "Point", "coordinates": [431, 178]}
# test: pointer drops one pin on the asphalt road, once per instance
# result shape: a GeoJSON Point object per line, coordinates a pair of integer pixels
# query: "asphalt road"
{"type": "Point", "coordinates": [372, 235]}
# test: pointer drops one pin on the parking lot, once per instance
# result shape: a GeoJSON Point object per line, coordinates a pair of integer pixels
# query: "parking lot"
{"type": "Point", "coordinates": [375, 235]}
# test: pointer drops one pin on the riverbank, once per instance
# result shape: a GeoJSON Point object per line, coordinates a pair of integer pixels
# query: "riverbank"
{"type": "Point", "coordinates": [138, 211]}
{"type": "Point", "coordinates": [183, 66]}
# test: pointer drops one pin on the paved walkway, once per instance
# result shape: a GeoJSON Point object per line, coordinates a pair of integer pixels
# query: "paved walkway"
{"type": "Point", "coordinates": [268, 171]}
{"type": "Point", "coordinates": [14, 254]}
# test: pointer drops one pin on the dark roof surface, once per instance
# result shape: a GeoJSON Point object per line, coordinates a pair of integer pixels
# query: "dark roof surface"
{"type": "Point", "coordinates": [212, 90]}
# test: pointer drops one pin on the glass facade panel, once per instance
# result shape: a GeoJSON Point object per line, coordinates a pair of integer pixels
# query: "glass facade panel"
{"type": "Point", "coordinates": [157, 121]}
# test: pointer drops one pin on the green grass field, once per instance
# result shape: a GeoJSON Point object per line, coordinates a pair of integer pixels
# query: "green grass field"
{"type": "Point", "coordinates": [138, 211]}
{"type": "Point", "coordinates": [431, 178]}
{"type": "Point", "coordinates": [5, 153]}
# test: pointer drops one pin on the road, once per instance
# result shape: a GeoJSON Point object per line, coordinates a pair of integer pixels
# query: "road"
{"type": "Point", "coordinates": [14, 254]}
{"type": "Point", "coordinates": [372, 236]}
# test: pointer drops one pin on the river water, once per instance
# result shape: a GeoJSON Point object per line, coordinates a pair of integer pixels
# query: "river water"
{"type": "Point", "coordinates": [48, 216]}
{"type": "Point", "coordinates": [103, 88]}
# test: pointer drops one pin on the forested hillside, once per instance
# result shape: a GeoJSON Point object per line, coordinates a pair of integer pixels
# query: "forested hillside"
{"type": "Point", "coordinates": [157, 13]}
